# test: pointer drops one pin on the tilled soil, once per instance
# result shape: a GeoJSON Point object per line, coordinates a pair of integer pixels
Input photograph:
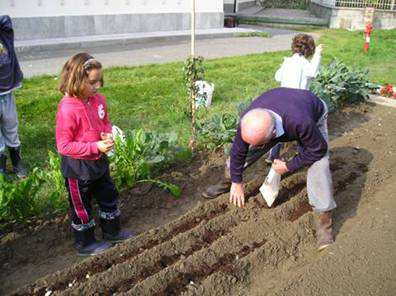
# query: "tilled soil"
{"type": "Point", "coordinates": [215, 248]}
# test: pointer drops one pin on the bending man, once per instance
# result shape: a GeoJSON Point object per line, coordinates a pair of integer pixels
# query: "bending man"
{"type": "Point", "coordinates": [283, 115]}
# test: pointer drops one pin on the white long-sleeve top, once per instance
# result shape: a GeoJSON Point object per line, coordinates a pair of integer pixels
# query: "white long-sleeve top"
{"type": "Point", "coordinates": [297, 72]}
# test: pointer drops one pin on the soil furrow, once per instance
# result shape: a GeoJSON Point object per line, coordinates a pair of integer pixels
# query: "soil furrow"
{"type": "Point", "coordinates": [218, 256]}
{"type": "Point", "coordinates": [226, 263]}
{"type": "Point", "coordinates": [290, 186]}
{"type": "Point", "coordinates": [152, 261]}
{"type": "Point", "coordinates": [298, 205]}
{"type": "Point", "coordinates": [98, 264]}
{"type": "Point", "coordinates": [274, 254]}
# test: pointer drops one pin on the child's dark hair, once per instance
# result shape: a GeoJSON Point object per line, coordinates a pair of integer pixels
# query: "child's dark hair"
{"type": "Point", "coordinates": [303, 44]}
{"type": "Point", "coordinates": [75, 74]}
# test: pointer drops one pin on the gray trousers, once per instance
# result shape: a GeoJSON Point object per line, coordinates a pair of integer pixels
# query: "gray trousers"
{"type": "Point", "coordinates": [319, 180]}
{"type": "Point", "coordinates": [8, 122]}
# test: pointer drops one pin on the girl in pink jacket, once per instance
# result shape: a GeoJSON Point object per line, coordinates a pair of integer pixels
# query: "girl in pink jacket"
{"type": "Point", "coordinates": [83, 137]}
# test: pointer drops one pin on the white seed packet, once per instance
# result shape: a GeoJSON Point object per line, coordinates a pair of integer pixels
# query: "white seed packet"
{"type": "Point", "coordinates": [270, 188]}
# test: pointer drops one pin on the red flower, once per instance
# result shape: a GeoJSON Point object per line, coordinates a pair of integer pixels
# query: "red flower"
{"type": "Point", "coordinates": [387, 90]}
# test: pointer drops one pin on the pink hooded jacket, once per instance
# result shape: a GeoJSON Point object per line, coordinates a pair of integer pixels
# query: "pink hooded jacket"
{"type": "Point", "coordinates": [79, 124]}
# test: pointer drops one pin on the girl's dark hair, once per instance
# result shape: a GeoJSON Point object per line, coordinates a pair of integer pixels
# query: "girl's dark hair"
{"type": "Point", "coordinates": [74, 74]}
{"type": "Point", "coordinates": [303, 44]}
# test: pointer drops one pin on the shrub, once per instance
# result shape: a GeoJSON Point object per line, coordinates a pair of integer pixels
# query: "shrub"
{"type": "Point", "coordinates": [296, 4]}
{"type": "Point", "coordinates": [338, 84]}
{"type": "Point", "coordinates": [18, 200]}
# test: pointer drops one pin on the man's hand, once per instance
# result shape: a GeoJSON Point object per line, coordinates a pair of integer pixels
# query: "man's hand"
{"type": "Point", "coordinates": [237, 194]}
{"type": "Point", "coordinates": [279, 166]}
{"type": "Point", "coordinates": [105, 146]}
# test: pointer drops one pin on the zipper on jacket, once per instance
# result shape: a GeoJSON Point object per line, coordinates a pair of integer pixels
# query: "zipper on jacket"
{"type": "Point", "coordinates": [86, 106]}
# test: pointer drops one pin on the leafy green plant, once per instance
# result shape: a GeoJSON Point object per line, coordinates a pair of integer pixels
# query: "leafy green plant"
{"type": "Point", "coordinates": [242, 106]}
{"type": "Point", "coordinates": [55, 184]}
{"type": "Point", "coordinates": [158, 148]}
{"type": "Point", "coordinates": [135, 156]}
{"type": "Point", "coordinates": [218, 130]}
{"type": "Point", "coordinates": [172, 188]}
{"type": "Point", "coordinates": [44, 190]}
{"type": "Point", "coordinates": [128, 163]}
{"type": "Point", "coordinates": [338, 84]}
{"type": "Point", "coordinates": [18, 200]}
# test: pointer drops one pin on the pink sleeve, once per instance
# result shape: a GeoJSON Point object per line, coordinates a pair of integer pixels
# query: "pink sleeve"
{"type": "Point", "coordinates": [65, 131]}
{"type": "Point", "coordinates": [106, 120]}
{"type": "Point", "coordinates": [108, 125]}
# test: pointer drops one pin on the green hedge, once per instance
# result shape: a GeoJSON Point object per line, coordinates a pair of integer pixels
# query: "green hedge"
{"type": "Point", "coordinates": [300, 4]}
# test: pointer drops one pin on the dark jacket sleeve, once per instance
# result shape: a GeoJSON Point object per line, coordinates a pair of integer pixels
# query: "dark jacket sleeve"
{"type": "Point", "coordinates": [5, 23]}
{"type": "Point", "coordinates": [238, 155]}
{"type": "Point", "coordinates": [313, 146]}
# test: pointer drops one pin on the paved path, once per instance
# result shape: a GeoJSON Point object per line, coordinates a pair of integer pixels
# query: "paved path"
{"type": "Point", "coordinates": [159, 52]}
{"type": "Point", "coordinates": [32, 46]}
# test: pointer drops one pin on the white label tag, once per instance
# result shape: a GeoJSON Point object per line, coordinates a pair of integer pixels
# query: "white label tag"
{"type": "Point", "coordinates": [101, 111]}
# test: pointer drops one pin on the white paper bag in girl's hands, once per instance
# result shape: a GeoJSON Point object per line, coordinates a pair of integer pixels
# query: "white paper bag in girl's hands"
{"type": "Point", "coordinates": [117, 133]}
{"type": "Point", "coordinates": [270, 188]}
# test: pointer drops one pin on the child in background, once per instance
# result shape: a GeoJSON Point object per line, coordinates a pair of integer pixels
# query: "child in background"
{"type": "Point", "coordinates": [83, 137]}
{"type": "Point", "coordinates": [297, 71]}
{"type": "Point", "coordinates": [10, 79]}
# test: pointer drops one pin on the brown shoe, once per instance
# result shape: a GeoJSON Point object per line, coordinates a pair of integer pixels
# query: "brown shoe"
{"type": "Point", "coordinates": [217, 189]}
{"type": "Point", "coordinates": [324, 232]}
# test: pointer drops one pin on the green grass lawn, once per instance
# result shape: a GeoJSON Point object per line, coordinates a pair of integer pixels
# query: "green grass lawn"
{"type": "Point", "coordinates": [152, 97]}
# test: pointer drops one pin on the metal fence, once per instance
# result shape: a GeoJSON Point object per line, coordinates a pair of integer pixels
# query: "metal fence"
{"type": "Point", "coordinates": [330, 3]}
{"type": "Point", "coordinates": [378, 4]}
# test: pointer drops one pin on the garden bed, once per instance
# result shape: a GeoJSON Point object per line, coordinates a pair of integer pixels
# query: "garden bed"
{"type": "Point", "coordinates": [191, 246]}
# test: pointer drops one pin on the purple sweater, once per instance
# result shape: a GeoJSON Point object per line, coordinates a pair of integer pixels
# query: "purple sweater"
{"type": "Point", "coordinates": [300, 110]}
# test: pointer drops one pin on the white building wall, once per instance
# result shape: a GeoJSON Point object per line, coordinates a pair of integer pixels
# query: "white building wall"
{"type": "Point", "coordinates": [40, 19]}
{"type": "Point", "coordinates": [40, 8]}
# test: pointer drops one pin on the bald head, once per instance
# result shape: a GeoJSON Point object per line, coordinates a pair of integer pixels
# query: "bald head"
{"type": "Point", "coordinates": [257, 126]}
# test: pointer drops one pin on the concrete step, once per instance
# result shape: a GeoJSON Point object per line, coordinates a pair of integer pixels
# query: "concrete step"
{"type": "Point", "coordinates": [76, 43]}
